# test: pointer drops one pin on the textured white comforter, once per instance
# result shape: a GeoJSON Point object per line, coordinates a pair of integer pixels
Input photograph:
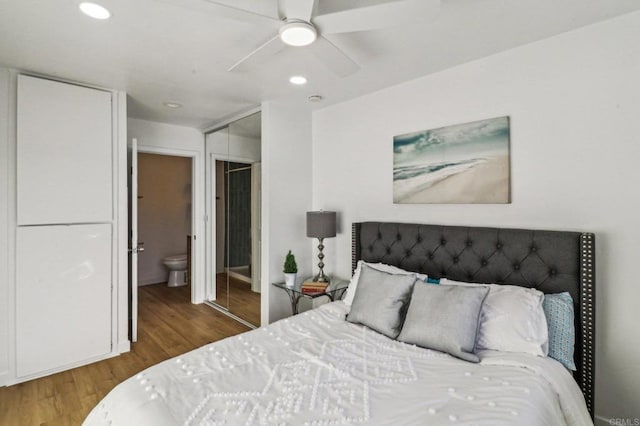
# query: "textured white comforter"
{"type": "Point", "coordinates": [318, 369]}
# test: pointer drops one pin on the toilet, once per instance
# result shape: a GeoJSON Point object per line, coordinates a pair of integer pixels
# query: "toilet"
{"type": "Point", "coordinates": [177, 266]}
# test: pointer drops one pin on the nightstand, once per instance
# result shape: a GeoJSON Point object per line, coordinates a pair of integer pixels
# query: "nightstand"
{"type": "Point", "coordinates": [334, 291]}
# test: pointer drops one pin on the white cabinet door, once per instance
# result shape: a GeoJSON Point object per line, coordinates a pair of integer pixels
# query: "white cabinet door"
{"type": "Point", "coordinates": [64, 171]}
{"type": "Point", "coordinates": [63, 296]}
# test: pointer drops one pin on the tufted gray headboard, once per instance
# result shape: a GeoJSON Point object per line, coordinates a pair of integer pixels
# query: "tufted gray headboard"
{"type": "Point", "coordinates": [549, 261]}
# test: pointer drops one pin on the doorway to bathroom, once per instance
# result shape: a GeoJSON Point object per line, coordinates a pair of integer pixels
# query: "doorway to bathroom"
{"type": "Point", "coordinates": [191, 192]}
{"type": "Point", "coordinates": [164, 193]}
{"type": "Point", "coordinates": [164, 219]}
{"type": "Point", "coordinates": [233, 192]}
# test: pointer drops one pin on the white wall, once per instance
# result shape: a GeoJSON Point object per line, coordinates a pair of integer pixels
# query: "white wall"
{"type": "Point", "coordinates": [164, 212]}
{"type": "Point", "coordinates": [286, 197]}
{"type": "Point", "coordinates": [169, 136]}
{"type": "Point", "coordinates": [160, 138]}
{"type": "Point", "coordinates": [574, 103]}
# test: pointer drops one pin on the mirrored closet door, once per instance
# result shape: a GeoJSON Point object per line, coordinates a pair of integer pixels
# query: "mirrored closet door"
{"type": "Point", "coordinates": [233, 209]}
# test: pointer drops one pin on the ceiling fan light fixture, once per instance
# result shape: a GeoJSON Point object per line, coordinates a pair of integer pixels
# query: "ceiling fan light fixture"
{"type": "Point", "coordinates": [298, 33]}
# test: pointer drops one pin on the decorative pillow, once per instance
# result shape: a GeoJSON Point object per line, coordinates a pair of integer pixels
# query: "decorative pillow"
{"type": "Point", "coordinates": [380, 301]}
{"type": "Point", "coordinates": [444, 318]}
{"type": "Point", "coordinates": [512, 320]}
{"type": "Point", "coordinates": [558, 309]}
{"type": "Point", "coordinates": [353, 284]}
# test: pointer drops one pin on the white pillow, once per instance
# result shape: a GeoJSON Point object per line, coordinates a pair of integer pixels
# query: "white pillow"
{"type": "Point", "coordinates": [512, 320]}
{"type": "Point", "coordinates": [353, 284]}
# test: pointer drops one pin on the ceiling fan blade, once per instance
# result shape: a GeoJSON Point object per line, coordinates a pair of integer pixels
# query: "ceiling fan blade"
{"type": "Point", "coordinates": [268, 49]}
{"type": "Point", "coordinates": [297, 9]}
{"type": "Point", "coordinates": [333, 58]}
{"type": "Point", "coordinates": [226, 11]}
{"type": "Point", "coordinates": [376, 17]}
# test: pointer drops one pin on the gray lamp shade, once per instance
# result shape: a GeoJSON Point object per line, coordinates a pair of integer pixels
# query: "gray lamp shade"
{"type": "Point", "coordinates": [321, 224]}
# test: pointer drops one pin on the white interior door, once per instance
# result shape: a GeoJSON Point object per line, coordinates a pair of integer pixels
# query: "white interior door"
{"type": "Point", "coordinates": [134, 247]}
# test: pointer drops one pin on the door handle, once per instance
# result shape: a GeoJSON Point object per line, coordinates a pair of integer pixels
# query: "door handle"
{"type": "Point", "coordinates": [140, 248]}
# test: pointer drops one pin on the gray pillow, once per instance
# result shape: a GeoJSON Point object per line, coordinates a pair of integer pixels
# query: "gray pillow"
{"type": "Point", "coordinates": [380, 300]}
{"type": "Point", "coordinates": [444, 318]}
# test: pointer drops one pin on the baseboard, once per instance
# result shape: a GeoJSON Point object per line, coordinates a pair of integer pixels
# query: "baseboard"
{"type": "Point", "coordinates": [158, 279]}
{"type": "Point", "coordinates": [124, 346]}
{"type": "Point", "coordinates": [4, 378]}
{"type": "Point", "coordinates": [22, 379]}
{"type": "Point", "coordinates": [238, 276]}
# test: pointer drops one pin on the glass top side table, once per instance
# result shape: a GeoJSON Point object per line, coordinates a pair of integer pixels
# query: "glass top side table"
{"type": "Point", "coordinates": [334, 291]}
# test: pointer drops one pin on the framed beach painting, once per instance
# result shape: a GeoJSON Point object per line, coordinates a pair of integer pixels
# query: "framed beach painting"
{"type": "Point", "coordinates": [460, 164]}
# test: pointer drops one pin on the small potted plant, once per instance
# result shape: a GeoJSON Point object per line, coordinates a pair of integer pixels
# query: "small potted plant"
{"type": "Point", "coordinates": [290, 270]}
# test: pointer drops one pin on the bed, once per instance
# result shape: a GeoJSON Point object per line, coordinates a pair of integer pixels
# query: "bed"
{"type": "Point", "coordinates": [317, 368]}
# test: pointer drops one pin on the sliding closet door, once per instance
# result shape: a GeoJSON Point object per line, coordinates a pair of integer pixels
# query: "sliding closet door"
{"type": "Point", "coordinates": [233, 191]}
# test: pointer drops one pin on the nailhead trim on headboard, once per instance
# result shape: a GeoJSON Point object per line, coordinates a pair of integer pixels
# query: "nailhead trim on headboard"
{"type": "Point", "coordinates": [587, 308]}
{"type": "Point", "coordinates": [355, 249]}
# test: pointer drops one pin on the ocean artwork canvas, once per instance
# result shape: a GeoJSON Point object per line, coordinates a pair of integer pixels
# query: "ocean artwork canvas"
{"type": "Point", "coordinates": [460, 164]}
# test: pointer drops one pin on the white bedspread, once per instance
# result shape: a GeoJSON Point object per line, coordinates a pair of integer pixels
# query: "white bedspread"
{"type": "Point", "coordinates": [318, 369]}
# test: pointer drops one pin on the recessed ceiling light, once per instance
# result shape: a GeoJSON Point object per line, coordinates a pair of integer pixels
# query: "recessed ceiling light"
{"type": "Point", "coordinates": [95, 10]}
{"type": "Point", "coordinates": [315, 98]}
{"type": "Point", "coordinates": [298, 79]}
{"type": "Point", "coordinates": [172, 105]}
{"type": "Point", "coordinates": [298, 33]}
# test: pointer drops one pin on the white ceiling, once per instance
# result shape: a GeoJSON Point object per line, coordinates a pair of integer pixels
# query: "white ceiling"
{"type": "Point", "coordinates": [159, 50]}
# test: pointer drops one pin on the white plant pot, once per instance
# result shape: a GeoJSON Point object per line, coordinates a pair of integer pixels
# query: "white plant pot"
{"type": "Point", "coordinates": [290, 280]}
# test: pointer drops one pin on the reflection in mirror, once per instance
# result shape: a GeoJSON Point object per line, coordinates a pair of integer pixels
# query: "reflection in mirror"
{"type": "Point", "coordinates": [233, 169]}
{"type": "Point", "coordinates": [222, 292]}
{"type": "Point", "coordinates": [243, 218]}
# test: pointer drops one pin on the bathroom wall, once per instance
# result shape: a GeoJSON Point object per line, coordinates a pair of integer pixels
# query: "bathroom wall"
{"type": "Point", "coordinates": [164, 212]}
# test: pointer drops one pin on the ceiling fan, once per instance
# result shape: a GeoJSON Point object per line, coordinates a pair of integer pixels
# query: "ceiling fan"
{"type": "Point", "coordinates": [296, 25]}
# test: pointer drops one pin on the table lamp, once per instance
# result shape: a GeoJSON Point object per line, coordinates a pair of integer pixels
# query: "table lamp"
{"type": "Point", "coordinates": [321, 225]}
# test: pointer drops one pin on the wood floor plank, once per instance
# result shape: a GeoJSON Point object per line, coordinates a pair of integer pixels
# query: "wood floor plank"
{"type": "Point", "coordinates": [168, 326]}
{"type": "Point", "coordinates": [238, 298]}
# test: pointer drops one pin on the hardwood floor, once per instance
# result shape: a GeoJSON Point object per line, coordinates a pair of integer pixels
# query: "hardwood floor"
{"type": "Point", "coordinates": [168, 326]}
{"type": "Point", "coordinates": [241, 300]}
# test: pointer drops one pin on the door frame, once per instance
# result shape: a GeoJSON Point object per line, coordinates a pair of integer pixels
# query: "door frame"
{"type": "Point", "coordinates": [197, 214]}
{"type": "Point", "coordinates": [132, 232]}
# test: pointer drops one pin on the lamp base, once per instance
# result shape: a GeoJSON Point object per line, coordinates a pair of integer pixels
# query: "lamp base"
{"type": "Point", "coordinates": [321, 278]}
